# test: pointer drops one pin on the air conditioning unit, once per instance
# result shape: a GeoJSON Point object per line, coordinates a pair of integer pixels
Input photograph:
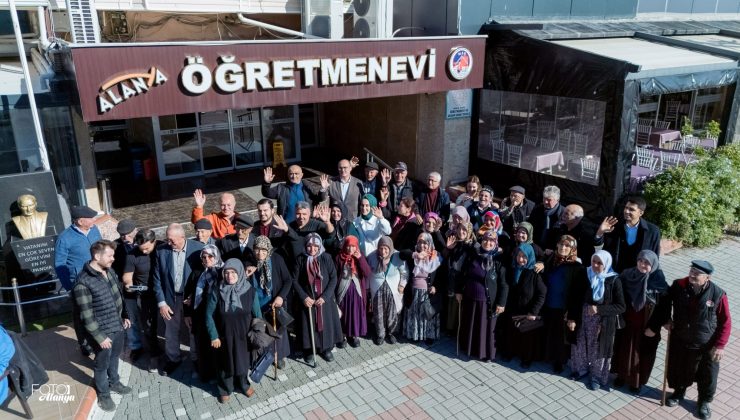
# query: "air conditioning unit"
{"type": "Point", "coordinates": [83, 20]}
{"type": "Point", "coordinates": [323, 18]}
{"type": "Point", "coordinates": [372, 18]}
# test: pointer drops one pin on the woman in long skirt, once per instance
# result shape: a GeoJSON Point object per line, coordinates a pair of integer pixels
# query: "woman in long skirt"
{"type": "Point", "coordinates": [565, 279]}
{"type": "Point", "coordinates": [195, 308]}
{"type": "Point", "coordinates": [483, 298]}
{"type": "Point", "coordinates": [526, 297]}
{"type": "Point", "coordinates": [388, 280]}
{"type": "Point", "coordinates": [353, 273]}
{"type": "Point", "coordinates": [459, 243]}
{"type": "Point", "coordinates": [603, 305]}
{"type": "Point", "coordinates": [229, 311]}
{"type": "Point", "coordinates": [417, 324]}
{"type": "Point", "coordinates": [645, 290]}
{"type": "Point", "coordinates": [272, 282]}
{"type": "Point", "coordinates": [316, 286]}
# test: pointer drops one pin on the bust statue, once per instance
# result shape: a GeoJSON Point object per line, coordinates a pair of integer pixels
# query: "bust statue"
{"type": "Point", "coordinates": [31, 223]}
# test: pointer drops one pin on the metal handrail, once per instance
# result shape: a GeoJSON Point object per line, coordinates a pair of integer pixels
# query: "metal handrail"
{"type": "Point", "coordinates": [19, 303]}
{"type": "Point", "coordinates": [29, 285]}
{"type": "Point", "coordinates": [372, 157]}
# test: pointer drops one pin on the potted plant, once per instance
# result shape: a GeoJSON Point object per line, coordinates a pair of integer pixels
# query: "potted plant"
{"type": "Point", "coordinates": [687, 129]}
{"type": "Point", "coordinates": [712, 129]}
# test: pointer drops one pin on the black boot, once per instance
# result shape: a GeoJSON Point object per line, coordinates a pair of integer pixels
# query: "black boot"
{"type": "Point", "coordinates": [675, 398]}
{"type": "Point", "coordinates": [703, 411]}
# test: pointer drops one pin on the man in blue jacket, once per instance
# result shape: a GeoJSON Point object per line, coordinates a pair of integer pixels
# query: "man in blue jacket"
{"type": "Point", "coordinates": [71, 253]}
{"type": "Point", "coordinates": [174, 263]}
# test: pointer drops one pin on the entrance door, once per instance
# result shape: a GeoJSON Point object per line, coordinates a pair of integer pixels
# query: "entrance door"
{"type": "Point", "coordinates": [215, 141]}
{"type": "Point", "coordinates": [178, 146]}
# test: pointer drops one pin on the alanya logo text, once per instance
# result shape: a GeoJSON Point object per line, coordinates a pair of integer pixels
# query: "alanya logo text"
{"type": "Point", "coordinates": [54, 392]}
{"type": "Point", "coordinates": [121, 88]}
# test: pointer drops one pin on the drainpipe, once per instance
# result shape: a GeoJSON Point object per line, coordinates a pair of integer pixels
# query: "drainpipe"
{"type": "Point", "coordinates": [43, 37]}
{"type": "Point", "coordinates": [287, 31]}
{"type": "Point", "coordinates": [29, 87]}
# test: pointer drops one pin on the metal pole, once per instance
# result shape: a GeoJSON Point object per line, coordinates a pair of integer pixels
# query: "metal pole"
{"type": "Point", "coordinates": [19, 306]}
{"type": "Point", "coordinates": [29, 87]}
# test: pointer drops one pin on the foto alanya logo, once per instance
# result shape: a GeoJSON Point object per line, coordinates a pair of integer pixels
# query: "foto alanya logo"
{"type": "Point", "coordinates": [121, 88]}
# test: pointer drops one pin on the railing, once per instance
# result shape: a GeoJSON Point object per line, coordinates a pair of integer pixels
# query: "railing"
{"type": "Point", "coordinates": [19, 303]}
{"type": "Point", "coordinates": [372, 157]}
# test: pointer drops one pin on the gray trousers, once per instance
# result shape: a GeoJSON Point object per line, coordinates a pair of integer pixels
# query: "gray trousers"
{"type": "Point", "coordinates": [172, 331]}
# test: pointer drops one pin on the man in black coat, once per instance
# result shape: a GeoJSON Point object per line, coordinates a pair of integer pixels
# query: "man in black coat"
{"type": "Point", "coordinates": [515, 209]}
{"type": "Point", "coordinates": [546, 216]}
{"type": "Point", "coordinates": [289, 193]}
{"type": "Point", "coordinates": [401, 186]}
{"type": "Point", "coordinates": [239, 245]}
{"type": "Point", "coordinates": [572, 223]}
{"type": "Point", "coordinates": [625, 238]}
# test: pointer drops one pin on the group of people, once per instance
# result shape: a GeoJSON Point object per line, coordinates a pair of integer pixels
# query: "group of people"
{"type": "Point", "coordinates": [385, 259]}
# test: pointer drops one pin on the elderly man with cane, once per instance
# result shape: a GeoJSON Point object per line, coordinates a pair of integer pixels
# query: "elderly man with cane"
{"type": "Point", "coordinates": [700, 330]}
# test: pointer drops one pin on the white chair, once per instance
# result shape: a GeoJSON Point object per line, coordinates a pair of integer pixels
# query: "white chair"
{"type": "Point", "coordinates": [590, 168]}
{"type": "Point", "coordinates": [580, 145]}
{"type": "Point", "coordinates": [645, 121]}
{"type": "Point", "coordinates": [671, 112]}
{"type": "Point", "coordinates": [515, 155]}
{"type": "Point", "coordinates": [674, 145]}
{"type": "Point", "coordinates": [712, 146]}
{"type": "Point", "coordinates": [643, 135]}
{"type": "Point", "coordinates": [645, 158]}
{"type": "Point", "coordinates": [662, 125]}
{"type": "Point", "coordinates": [530, 141]}
{"type": "Point", "coordinates": [691, 143]}
{"type": "Point", "coordinates": [545, 128]}
{"type": "Point", "coordinates": [547, 144]}
{"type": "Point", "coordinates": [669, 160]}
{"type": "Point", "coordinates": [499, 151]}
{"type": "Point", "coordinates": [496, 135]}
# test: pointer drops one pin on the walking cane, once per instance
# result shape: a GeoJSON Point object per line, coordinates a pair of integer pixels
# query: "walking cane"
{"type": "Point", "coordinates": [274, 327]}
{"type": "Point", "coordinates": [665, 365]}
{"type": "Point", "coordinates": [459, 316]}
{"type": "Point", "coordinates": [313, 339]}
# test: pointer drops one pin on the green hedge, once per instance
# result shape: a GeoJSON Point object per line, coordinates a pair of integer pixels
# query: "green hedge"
{"type": "Point", "coordinates": [694, 204]}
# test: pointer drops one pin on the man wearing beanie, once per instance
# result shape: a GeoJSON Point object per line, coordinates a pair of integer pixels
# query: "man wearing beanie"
{"type": "Point", "coordinates": [204, 232]}
{"type": "Point", "coordinates": [700, 330]}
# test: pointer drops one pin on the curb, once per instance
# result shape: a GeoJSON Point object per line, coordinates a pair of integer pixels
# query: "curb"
{"type": "Point", "coordinates": [83, 411]}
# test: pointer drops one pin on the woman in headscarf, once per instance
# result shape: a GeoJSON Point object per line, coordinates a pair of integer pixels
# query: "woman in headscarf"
{"type": "Point", "coordinates": [526, 296]}
{"type": "Point", "coordinates": [406, 225]}
{"type": "Point", "coordinates": [432, 224]}
{"type": "Point", "coordinates": [370, 225]}
{"type": "Point", "coordinates": [387, 283]}
{"type": "Point", "coordinates": [342, 228]}
{"type": "Point", "coordinates": [595, 324]}
{"type": "Point", "coordinates": [645, 290]}
{"type": "Point", "coordinates": [482, 295]}
{"type": "Point", "coordinates": [565, 279]}
{"type": "Point", "coordinates": [353, 273]}
{"type": "Point", "coordinates": [316, 286]}
{"type": "Point", "coordinates": [459, 243]}
{"type": "Point", "coordinates": [231, 306]}
{"type": "Point", "coordinates": [424, 263]}
{"type": "Point", "coordinates": [491, 221]}
{"type": "Point", "coordinates": [523, 235]}
{"type": "Point", "coordinates": [272, 282]}
{"type": "Point", "coordinates": [195, 308]}
{"type": "Point", "coordinates": [459, 214]}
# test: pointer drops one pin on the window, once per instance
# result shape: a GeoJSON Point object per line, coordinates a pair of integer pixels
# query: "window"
{"type": "Point", "coordinates": [555, 135]}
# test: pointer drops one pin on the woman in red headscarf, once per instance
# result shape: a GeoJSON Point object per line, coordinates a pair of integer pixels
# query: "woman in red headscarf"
{"type": "Point", "coordinates": [353, 273]}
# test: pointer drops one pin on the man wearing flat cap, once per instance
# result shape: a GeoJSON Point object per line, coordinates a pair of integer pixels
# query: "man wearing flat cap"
{"type": "Point", "coordinates": [124, 244]}
{"type": "Point", "coordinates": [699, 333]}
{"type": "Point", "coordinates": [400, 187]}
{"type": "Point", "coordinates": [515, 209]}
{"type": "Point", "coordinates": [71, 252]}
{"type": "Point", "coordinates": [240, 244]}
{"type": "Point", "coordinates": [204, 232]}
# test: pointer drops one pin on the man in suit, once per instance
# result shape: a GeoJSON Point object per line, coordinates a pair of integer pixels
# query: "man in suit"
{"type": "Point", "coordinates": [173, 264]}
{"type": "Point", "coordinates": [625, 238]}
{"type": "Point", "coordinates": [296, 189]}
{"type": "Point", "coordinates": [346, 189]}
{"type": "Point", "coordinates": [240, 244]}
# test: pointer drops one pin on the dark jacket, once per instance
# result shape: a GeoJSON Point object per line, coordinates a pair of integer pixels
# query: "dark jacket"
{"type": "Point", "coordinates": [121, 252]}
{"type": "Point", "coordinates": [26, 369]}
{"type": "Point", "coordinates": [476, 214]}
{"type": "Point", "coordinates": [497, 288]}
{"type": "Point", "coordinates": [442, 206]}
{"type": "Point", "coordinates": [101, 303]}
{"type": "Point", "coordinates": [624, 256]}
{"type": "Point", "coordinates": [163, 273]}
{"type": "Point", "coordinates": [610, 308]}
{"type": "Point", "coordinates": [229, 247]}
{"type": "Point", "coordinates": [281, 193]}
{"type": "Point", "coordinates": [695, 320]}
{"type": "Point", "coordinates": [512, 217]}
{"type": "Point", "coordinates": [575, 283]}
{"type": "Point", "coordinates": [405, 190]}
{"type": "Point", "coordinates": [351, 203]}
{"type": "Point", "coordinates": [538, 219]}
{"type": "Point", "coordinates": [527, 296]}
{"type": "Point", "coordinates": [584, 233]}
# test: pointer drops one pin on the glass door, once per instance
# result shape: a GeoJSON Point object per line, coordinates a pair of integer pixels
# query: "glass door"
{"type": "Point", "coordinates": [178, 146]}
{"type": "Point", "coordinates": [247, 133]}
{"type": "Point", "coordinates": [215, 141]}
{"type": "Point", "coordinates": [281, 124]}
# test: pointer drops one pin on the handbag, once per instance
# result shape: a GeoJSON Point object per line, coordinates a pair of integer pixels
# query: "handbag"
{"type": "Point", "coordinates": [282, 317]}
{"type": "Point", "coordinates": [428, 309]}
{"type": "Point", "coordinates": [262, 365]}
{"type": "Point", "coordinates": [525, 325]}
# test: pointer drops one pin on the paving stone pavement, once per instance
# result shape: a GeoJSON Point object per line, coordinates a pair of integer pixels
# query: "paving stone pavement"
{"type": "Point", "coordinates": [419, 382]}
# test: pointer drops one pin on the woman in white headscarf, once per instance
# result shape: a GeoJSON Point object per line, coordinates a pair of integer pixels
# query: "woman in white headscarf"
{"type": "Point", "coordinates": [597, 322]}
{"type": "Point", "coordinates": [418, 324]}
{"type": "Point", "coordinates": [388, 280]}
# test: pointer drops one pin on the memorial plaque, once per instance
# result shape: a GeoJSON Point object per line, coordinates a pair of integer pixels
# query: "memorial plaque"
{"type": "Point", "coordinates": [35, 258]}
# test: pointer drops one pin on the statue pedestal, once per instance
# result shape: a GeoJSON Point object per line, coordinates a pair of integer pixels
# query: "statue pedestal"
{"type": "Point", "coordinates": [35, 258]}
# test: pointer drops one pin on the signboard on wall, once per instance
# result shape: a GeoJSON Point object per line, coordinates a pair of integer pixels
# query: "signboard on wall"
{"type": "Point", "coordinates": [121, 81]}
{"type": "Point", "coordinates": [459, 104]}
